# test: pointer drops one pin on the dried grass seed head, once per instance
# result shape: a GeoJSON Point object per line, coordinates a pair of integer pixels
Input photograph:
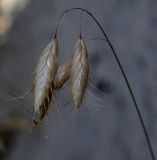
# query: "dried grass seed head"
{"type": "Point", "coordinates": [44, 79]}
{"type": "Point", "coordinates": [79, 72]}
{"type": "Point", "coordinates": [63, 74]}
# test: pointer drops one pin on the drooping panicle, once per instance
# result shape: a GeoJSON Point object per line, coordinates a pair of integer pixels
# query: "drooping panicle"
{"type": "Point", "coordinates": [79, 72]}
{"type": "Point", "coordinates": [63, 74]}
{"type": "Point", "coordinates": [44, 79]}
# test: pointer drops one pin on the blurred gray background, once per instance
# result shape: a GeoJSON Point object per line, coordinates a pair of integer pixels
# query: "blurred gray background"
{"type": "Point", "coordinates": [94, 133]}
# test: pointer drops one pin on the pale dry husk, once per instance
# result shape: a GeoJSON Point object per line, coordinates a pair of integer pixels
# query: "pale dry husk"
{"type": "Point", "coordinates": [63, 74]}
{"type": "Point", "coordinates": [44, 80]}
{"type": "Point", "coordinates": [79, 72]}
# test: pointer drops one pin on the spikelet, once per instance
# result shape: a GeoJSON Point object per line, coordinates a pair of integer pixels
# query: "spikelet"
{"type": "Point", "coordinates": [79, 73]}
{"type": "Point", "coordinates": [62, 75]}
{"type": "Point", "coordinates": [44, 80]}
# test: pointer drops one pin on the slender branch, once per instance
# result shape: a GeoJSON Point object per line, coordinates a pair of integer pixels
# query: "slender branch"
{"type": "Point", "coordinates": [81, 15]}
{"type": "Point", "coordinates": [121, 69]}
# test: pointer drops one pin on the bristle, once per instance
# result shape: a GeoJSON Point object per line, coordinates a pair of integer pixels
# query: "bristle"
{"type": "Point", "coordinates": [44, 79]}
{"type": "Point", "coordinates": [79, 73]}
{"type": "Point", "coordinates": [62, 75]}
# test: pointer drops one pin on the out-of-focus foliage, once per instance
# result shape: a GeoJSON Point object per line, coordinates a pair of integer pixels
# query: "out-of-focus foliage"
{"type": "Point", "coordinates": [8, 132]}
{"type": "Point", "coordinates": [8, 11]}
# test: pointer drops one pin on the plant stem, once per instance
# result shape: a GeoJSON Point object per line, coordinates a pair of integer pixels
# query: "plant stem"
{"type": "Point", "coordinates": [121, 69]}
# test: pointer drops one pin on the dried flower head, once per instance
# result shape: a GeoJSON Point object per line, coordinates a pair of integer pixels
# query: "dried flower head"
{"type": "Point", "coordinates": [44, 80]}
{"type": "Point", "coordinates": [62, 75]}
{"type": "Point", "coordinates": [79, 72]}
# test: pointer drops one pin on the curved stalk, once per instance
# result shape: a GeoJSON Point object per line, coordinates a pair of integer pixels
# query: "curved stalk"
{"type": "Point", "coordinates": [121, 69]}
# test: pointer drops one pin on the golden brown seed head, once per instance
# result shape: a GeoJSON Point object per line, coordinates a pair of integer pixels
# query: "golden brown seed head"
{"type": "Point", "coordinates": [62, 75]}
{"type": "Point", "coordinates": [44, 79]}
{"type": "Point", "coordinates": [79, 72]}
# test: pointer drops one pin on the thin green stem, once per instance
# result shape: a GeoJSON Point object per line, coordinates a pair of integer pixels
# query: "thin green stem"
{"type": "Point", "coordinates": [121, 69]}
